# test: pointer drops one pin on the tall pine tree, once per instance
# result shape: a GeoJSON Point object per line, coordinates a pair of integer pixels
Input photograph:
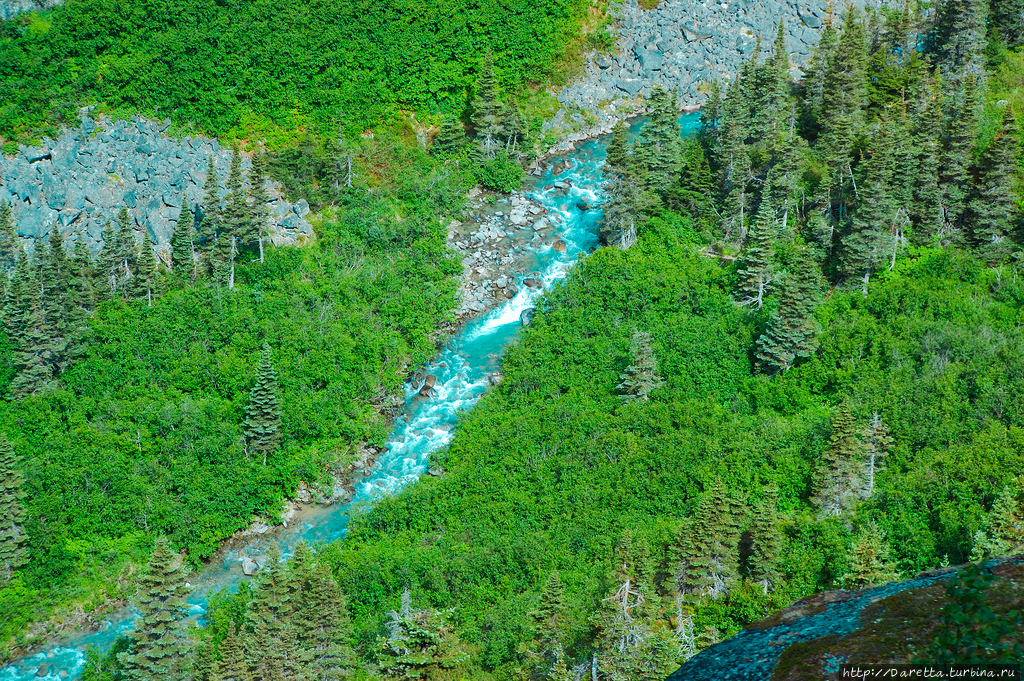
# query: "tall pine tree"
{"type": "Point", "coordinates": [13, 540]}
{"type": "Point", "coordinates": [835, 479]}
{"type": "Point", "coordinates": [8, 237]}
{"type": "Point", "coordinates": [766, 542]}
{"type": "Point", "coordinates": [792, 331]}
{"type": "Point", "coordinates": [994, 209]}
{"type": "Point", "coordinates": [262, 423]}
{"type": "Point", "coordinates": [159, 641]}
{"type": "Point", "coordinates": [183, 240]}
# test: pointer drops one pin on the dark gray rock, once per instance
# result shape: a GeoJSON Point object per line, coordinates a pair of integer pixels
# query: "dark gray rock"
{"type": "Point", "coordinates": [810, 19]}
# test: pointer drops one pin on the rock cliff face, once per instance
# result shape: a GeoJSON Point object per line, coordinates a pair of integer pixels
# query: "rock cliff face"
{"type": "Point", "coordinates": [679, 45]}
{"type": "Point", "coordinates": [8, 8]}
{"type": "Point", "coordinates": [84, 177]}
{"type": "Point", "coordinates": [889, 624]}
{"type": "Point", "coordinates": [682, 44]}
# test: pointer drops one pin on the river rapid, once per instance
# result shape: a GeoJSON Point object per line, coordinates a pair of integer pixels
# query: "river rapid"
{"type": "Point", "coordinates": [427, 424]}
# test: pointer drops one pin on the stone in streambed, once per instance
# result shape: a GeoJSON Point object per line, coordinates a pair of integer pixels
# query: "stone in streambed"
{"type": "Point", "coordinates": [559, 246]}
{"type": "Point", "coordinates": [533, 282]}
{"type": "Point", "coordinates": [249, 566]}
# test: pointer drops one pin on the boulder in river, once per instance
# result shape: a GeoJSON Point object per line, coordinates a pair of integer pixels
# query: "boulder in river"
{"type": "Point", "coordinates": [583, 205]}
{"type": "Point", "coordinates": [527, 316]}
{"type": "Point", "coordinates": [533, 282]}
{"type": "Point", "coordinates": [429, 381]}
{"type": "Point", "coordinates": [559, 246]}
{"type": "Point", "coordinates": [249, 566]}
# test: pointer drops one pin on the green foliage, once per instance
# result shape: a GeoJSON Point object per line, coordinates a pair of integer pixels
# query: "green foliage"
{"type": "Point", "coordinates": [419, 644]}
{"type": "Point", "coordinates": [262, 424]}
{"type": "Point", "coordinates": [501, 173]}
{"type": "Point", "coordinates": [309, 68]}
{"type": "Point", "coordinates": [12, 512]}
{"type": "Point", "coordinates": [158, 639]}
{"type": "Point", "coordinates": [641, 377]}
{"type": "Point", "coordinates": [142, 431]}
{"type": "Point", "coordinates": [971, 632]}
{"type": "Point", "coordinates": [871, 564]}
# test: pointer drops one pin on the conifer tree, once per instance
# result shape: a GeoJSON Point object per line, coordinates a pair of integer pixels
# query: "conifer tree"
{"type": "Point", "coordinates": [954, 168]}
{"type": "Point", "coordinates": [159, 641]}
{"type": "Point", "coordinates": [662, 142]}
{"type": "Point", "coordinates": [628, 648]}
{"type": "Point", "coordinates": [641, 377]}
{"type": "Point", "coordinates": [235, 224]}
{"type": "Point", "coordinates": [757, 268]}
{"type": "Point", "coordinates": [259, 218]}
{"type": "Point", "coordinates": [816, 73]}
{"type": "Point", "coordinates": [1002, 531]}
{"type": "Point", "coordinates": [792, 331]}
{"type": "Point", "coordinates": [81, 277]}
{"type": "Point", "coordinates": [420, 644]}
{"type": "Point", "coordinates": [55, 284]}
{"type": "Point", "coordinates": [13, 539]}
{"type": "Point", "coordinates": [489, 112]}
{"type": "Point", "coordinates": [730, 512]}
{"type": "Point", "coordinates": [927, 202]}
{"type": "Point", "coordinates": [262, 423]}
{"type": "Point", "coordinates": [1008, 18]}
{"type": "Point", "coordinates": [232, 665]}
{"type": "Point", "coordinates": [124, 244]}
{"type": "Point", "coordinates": [766, 542]}
{"type": "Point", "coordinates": [183, 253]}
{"type": "Point", "coordinates": [959, 37]}
{"type": "Point", "coordinates": [8, 237]}
{"type": "Point", "coordinates": [877, 443]}
{"type": "Point", "coordinates": [871, 564]}
{"type": "Point", "coordinates": [105, 272]}
{"type": "Point", "coordinates": [321, 620]}
{"type": "Point", "coordinates": [863, 247]}
{"type": "Point", "coordinates": [37, 351]}
{"type": "Point", "coordinates": [548, 620]}
{"type": "Point", "coordinates": [451, 139]}
{"type": "Point", "coordinates": [835, 477]}
{"type": "Point", "coordinates": [210, 211]}
{"type": "Point", "coordinates": [690, 553]}
{"type": "Point", "coordinates": [994, 209]}
{"type": "Point", "coordinates": [145, 280]}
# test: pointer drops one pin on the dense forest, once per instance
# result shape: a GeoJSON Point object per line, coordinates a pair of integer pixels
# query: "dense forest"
{"type": "Point", "coordinates": [796, 366]}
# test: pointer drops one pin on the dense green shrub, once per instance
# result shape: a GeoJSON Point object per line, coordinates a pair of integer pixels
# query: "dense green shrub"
{"type": "Point", "coordinates": [501, 174]}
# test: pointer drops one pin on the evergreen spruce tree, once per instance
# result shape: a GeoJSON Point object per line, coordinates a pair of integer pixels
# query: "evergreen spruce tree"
{"type": "Point", "coordinates": [232, 665]}
{"type": "Point", "coordinates": [927, 208]}
{"type": "Point", "coordinates": [690, 555]}
{"type": "Point", "coordinates": [628, 647]}
{"type": "Point", "coordinates": [1008, 18]}
{"type": "Point", "coordinates": [816, 74]}
{"type": "Point", "coordinates": [322, 626]}
{"type": "Point", "coordinates": [55, 290]}
{"type": "Point", "coordinates": [792, 331]}
{"type": "Point", "coordinates": [210, 209]}
{"type": "Point", "coordinates": [835, 477]}
{"type": "Point", "coordinates": [959, 36]}
{"type": "Point", "coordinates": [259, 219]}
{"type": "Point", "coordinates": [145, 280]}
{"type": "Point", "coordinates": [37, 350]}
{"type": "Point", "coordinates": [548, 621]}
{"type": "Point", "coordinates": [13, 540]}
{"type": "Point", "coordinates": [766, 542]}
{"type": "Point", "coordinates": [954, 168]}
{"type": "Point", "coordinates": [183, 253]}
{"type": "Point", "coordinates": [82, 276]}
{"type": "Point", "coordinates": [1002, 531]}
{"type": "Point", "coordinates": [105, 273]}
{"type": "Point", "coordinates": [489, 112]}
{"type": "Point", "coordinates": [641, 377]}
{"type": "Point", "coordinates": [8, 237]}
{"type": "Point", "coordinates": [994, 209]}
{"type": "Point", "coordinates": [662, 142]}
{"type": "Point", "coordinates": [757, 267]}
{"type": "Point", "coordinates": [420, 644]}
{"type": "Point", "coordinates": [235, 224]}
{"type": "Point", "coordinates": [159, 642]}
{"type": "Point", "coordinates": [871, 564]}
{"type": "Point", "coordinates": [451, 139]}
{"type": "Point", "coordinates": [864, 245]}
{"type": "Point", "coordinates": [262, 423]}
{"type": "Point", "coordinates": [124, 245]}
{"type": "Point", "coordinates": [730, 512]}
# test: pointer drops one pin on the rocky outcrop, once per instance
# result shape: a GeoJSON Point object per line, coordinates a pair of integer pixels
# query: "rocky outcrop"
{"type": "Point", "coordinates": [496, 242]}
{"type": "Point", "coordinates": [85, 176]}
{"type": "Point", "coordinates": [679, 45]}
{"type": "Point", "coordinates": [889, 624]}
{"type": "Point", "coordinates": [9, 8]}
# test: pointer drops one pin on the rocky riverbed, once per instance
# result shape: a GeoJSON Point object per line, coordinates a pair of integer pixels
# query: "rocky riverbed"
{"type": "Point", "coordinates": [85, 176]}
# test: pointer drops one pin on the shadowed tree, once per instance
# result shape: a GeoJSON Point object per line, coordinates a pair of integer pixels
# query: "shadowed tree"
{"type": "Point", "coordinates": [262, 423]}
{"type": "Point", "coordinates": [12, 514]}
